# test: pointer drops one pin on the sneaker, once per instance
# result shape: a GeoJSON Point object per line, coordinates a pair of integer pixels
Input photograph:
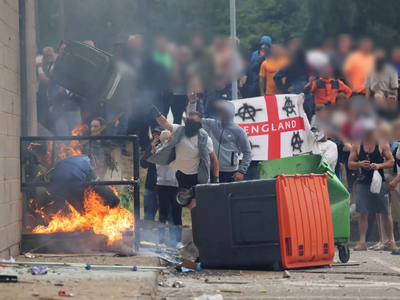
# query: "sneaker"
{"type": "Point", "coordinates": [381, 247]}
{"type": "Point", "coordinates": [396, 252]}
{"type": "Point", "coordinates": [361, 247]}
{"type": "Point", "coordinates": [375, 246]}
{"type": "Point", "coordinates": [391, 246]}
{"type": "Point", "coordinates": [179, 246]}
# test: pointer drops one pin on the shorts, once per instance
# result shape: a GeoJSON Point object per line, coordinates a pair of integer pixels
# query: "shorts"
{"type": "Point", "coordinates": [367, 202]}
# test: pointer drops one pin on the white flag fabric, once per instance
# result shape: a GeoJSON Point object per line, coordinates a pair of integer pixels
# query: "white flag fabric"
{"type": "Point", "coordinates": [274, 125]}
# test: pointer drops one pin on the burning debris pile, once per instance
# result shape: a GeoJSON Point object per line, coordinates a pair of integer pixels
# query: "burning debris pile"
{"type": "Point", "coordinates": [96, 217]}
{"type": "Point", "coordinates": [98, 208]}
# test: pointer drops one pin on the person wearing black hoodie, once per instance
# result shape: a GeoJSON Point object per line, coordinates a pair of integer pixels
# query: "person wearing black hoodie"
{"type": "Point", "coordinates": [150, 193]}
{"type": "Point", "coordinates": [296, 74]}
{"type": "Point", "coordinates": [222, 91]}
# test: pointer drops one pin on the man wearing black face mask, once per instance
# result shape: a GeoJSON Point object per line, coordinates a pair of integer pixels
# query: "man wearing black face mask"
{"type": "Point", "coordinates": [190, 152]}
{"type": "Point", "coordinates": [382, 78]}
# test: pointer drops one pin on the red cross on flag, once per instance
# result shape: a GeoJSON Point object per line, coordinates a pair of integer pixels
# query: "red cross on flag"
{"type": "Point", "coordinates": [274, 124]}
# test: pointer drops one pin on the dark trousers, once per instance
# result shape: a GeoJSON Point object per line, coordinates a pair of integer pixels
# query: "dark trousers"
{"type": "Point", "coordinates": [178, 106]}
{"type": "Point", "coordinates": [224, 176]}
{"type": "Point", "coordinates": [186, 181]}
{"type": "Point", "coordinates": [166, 199]}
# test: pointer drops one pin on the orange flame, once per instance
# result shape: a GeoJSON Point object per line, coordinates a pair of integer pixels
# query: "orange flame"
{"type": "Point", "coordinates": [63, 150]}
{"type": "Point", "coordinates": [95, 216]}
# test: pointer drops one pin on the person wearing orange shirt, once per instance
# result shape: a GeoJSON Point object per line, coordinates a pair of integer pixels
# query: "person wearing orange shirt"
{"type": "Point", "coordinates": [326, 88]}
{"type": "Point", "coordinates": [268, 69]}
{"type": "Point", "coordinates": [358, 65]}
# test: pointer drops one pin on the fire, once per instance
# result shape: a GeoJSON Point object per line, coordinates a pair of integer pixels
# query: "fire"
{"type": "Point", "coordinates": [114, 189]}
{"type": "Point", "coordinates": [63, 150]}
{"type": "Point", "coordinates": [95, 216]}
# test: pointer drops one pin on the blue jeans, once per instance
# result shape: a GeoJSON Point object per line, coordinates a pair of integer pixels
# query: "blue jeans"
{"type": "Point", "coordinates": [150, 204]}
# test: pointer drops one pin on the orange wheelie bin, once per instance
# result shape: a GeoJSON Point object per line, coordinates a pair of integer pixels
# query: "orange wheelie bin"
{"type": "Point", "coordinates": [305, 221]}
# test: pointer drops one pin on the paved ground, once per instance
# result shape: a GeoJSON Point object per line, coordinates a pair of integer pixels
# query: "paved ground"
{"type": "Point", "coordinates": [301, 285]}
{"type": "Point", "coordinates": [347, 282]}
{"type": "Point", "coordinates": [94, 284]}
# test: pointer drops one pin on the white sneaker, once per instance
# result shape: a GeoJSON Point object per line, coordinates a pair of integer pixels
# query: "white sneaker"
{"type": "Point", "coordinates": [179, 246]}
{"type": "Point", "coordinates": [378, 245]}
{"type": "Point", "coordinates": [352, 209]}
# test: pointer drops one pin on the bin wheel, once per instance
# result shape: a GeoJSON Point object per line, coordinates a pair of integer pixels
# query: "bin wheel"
{"type": "Point", "coordinates": [184, 197]}
{"type": "Point", "coordinates": [344, 253]}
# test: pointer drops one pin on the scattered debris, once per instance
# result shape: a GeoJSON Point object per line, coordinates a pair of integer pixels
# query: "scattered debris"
{"type": "Point", "coordinates": [263, 292]}
{"type": "Point", "coordinates": [333, 271]}
{"type": "Point", "coordinates": [8, 278]}
{"type": "Point", "coordinates": [225, 282]}
{"type": "Point", "coordinates": [11, 260]}
{"type": "Point", "coordinates": [59, 284]}
{"type": "Point", "coordinates": [39, 270]}
{"type": "Point", "coordinates": [64, 294]}
{"type": "Point", "coordinates": [28, 255]}
{"type": "Point", "coordinates": [229, 291]}
{"type": "Point", "coordinates": [286, 274]}
{"type": "Point", "coordinates": [345, 265]}
{"type": "Point", "coordinates": [210, 297]}
{"type": "Point", "coordinates": [189, 252]}
{"type": "Point", "coordinates": [178, 284]}
{"type": "Point", "coordinates": [186, 270]}
{"type": "Point", "coordinates": [191, 265]}
{"type": "Point", "coordinates": [356, 278]}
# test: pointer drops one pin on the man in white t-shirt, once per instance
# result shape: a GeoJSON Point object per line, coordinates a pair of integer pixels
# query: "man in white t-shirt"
{"type": "Point", "coordinates": [190, 151]}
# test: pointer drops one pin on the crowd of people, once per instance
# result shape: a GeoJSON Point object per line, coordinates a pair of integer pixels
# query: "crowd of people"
{"type": "Point", "coordinates": [350, 100]}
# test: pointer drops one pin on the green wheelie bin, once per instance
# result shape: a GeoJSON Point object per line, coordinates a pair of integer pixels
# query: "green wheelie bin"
{"type": "Point", "coordinates": [338, 195]}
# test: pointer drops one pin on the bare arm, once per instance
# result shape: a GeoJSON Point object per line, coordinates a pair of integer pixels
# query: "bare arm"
{"type": "Point", "coordinates": [389, 159]}
{"type": "Point", "coordinates": [353, 164]}
{"type": "Point", "coordinates": [348, 82]}
{"type": "Point", "coordinates": [262, 84]}
{"type": "Point", "coordinates": [214, 164]}
{"type": "Point", "coordinates": [368, 93]}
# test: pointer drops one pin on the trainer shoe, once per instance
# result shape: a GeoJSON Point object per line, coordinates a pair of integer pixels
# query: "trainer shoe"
{"type": "Point", "coordinates": [361, 247]}
{"type": "Point", "coordinates": [381, 247]}
{"type": "Point", "coordinates": [391, 246]}
{"type": "Point", "coordinates": [375, 246]}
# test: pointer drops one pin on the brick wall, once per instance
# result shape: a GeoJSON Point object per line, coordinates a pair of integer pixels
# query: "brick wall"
{"type": "Point", "coordinates": [10, 119]}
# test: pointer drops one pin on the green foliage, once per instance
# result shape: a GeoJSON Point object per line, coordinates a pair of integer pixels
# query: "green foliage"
{"type": "Point", "coordinates": [105, 21]}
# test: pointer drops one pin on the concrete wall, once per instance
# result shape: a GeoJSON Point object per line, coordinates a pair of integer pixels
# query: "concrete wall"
{"type": "Point", "coordinates": [10, 120]}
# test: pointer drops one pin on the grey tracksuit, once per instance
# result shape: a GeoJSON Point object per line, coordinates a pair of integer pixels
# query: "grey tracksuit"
{"type": "Point", "coordinates": [229, 139]}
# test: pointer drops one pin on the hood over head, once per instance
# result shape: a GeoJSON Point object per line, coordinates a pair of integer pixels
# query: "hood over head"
{"type": "Point", "coordinates": [266, 39]}
{"type": "Point", "coordinates": [227, 106]}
